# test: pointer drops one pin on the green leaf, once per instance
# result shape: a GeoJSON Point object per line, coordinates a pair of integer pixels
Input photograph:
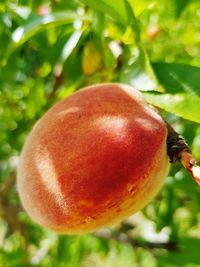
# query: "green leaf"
{"type": "Point", "coordinates": [137, 70]}
{"type": "Point", "coordinates": [132, 21]}
{"type": "Point", "coordinates": [116, 11]}
{"type": "Point", "coordinates": [23, 12]}
{"type": "Point", "coordinates": [180, 5]}
{"type": "Point", "coordinates": [121, 12]}
{"type": "Point", "coordinates": [70, 45]}
{"type": "Point", "coordinates": [182, 95]}
{"type": "Point", "coordinates": [38, 24]}
{"type": "Point", "coordinates": [187, 256]}
{"type": "Point", "coordinates": [98, 28]}
{"type": "Point", "coordinates": [184, 105]}
{"type": "Point", "coordinates": [178, 78]}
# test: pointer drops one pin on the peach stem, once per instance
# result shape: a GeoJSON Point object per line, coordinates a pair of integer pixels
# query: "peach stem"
{"type": "Point", "coordinates": [190, 165]}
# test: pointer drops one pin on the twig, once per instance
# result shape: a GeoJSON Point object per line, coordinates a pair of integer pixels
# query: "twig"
{"type": "Point", "coordinates": [7, 185]}
{"type": "Point", "coordinates": [178, 149]}
{"type": "Point", "coordinates": [8, 211]}
{"type": "Point", "coordinates": [123, 237]}
{"type": "Point", "coordinates": [59, 78]}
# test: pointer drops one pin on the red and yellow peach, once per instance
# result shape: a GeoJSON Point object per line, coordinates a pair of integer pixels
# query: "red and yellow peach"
{"type": "Point", "coordinates": [93, 159]}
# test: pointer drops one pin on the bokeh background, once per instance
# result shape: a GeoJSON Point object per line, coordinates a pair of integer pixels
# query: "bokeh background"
{"type": "Point", "coordinates": [48, 50]}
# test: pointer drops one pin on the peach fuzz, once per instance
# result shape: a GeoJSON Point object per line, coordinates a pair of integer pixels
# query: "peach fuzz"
{"type": "Point", "coordinates": [92, 160]}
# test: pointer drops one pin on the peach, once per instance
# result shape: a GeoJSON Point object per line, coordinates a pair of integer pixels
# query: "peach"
{"type": "Point", "coordinates": [93, 159]}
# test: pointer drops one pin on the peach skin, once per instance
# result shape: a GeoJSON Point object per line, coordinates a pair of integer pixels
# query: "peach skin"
{"type": "Point", "coordinates": [93, 159]}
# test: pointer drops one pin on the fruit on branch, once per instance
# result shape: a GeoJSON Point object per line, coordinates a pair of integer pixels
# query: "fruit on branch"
{"type": "Point", "coordinates": [93, 159]}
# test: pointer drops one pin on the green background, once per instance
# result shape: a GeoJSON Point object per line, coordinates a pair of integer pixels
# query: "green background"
{"type": "Point", "coordinates": [48, 50]}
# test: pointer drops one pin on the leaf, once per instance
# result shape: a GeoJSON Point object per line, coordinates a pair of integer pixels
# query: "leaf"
{"type": "Point", "coordinates": [70, 45]}
{"type": "Point", "coordinates": [184, 105]}
{"type": "Point", "coordinates": [182, 95]}
{"type": "Point", "coordinates": [180, 5]}
{"type": "Point", "coordinates": [132, 21]}
{"type": "Point", "coordinates": [137, 70]}
{"type": "Point", "coordinates": [116, 11]}
{"type": "Point", "coordinates": [187, 256]}
{"type": "Point", "coordinates": [121, 12]}
{"type": "Point", "coordinates": [22, 12]}
{"type": "Point", "coordinates": [98, 28]}
{"type": "Point", "coordinates": [38, 24]}
{"type": "Point", "coordinates": [140, 6]}
{"type": "Point", "coordinates": [178, 78]}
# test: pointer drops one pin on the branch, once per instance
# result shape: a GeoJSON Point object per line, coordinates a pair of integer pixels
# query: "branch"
{"type": "Point", "coordinates": [125, 238]}
{"type": "Point", "coordinates": [178, 149]}
{"type": "Point", "coordinates": [7, 185]}
{"type": "Point", "coordinates": [8, 211]}
{"type": "Point", "coordinates": [59, 78]}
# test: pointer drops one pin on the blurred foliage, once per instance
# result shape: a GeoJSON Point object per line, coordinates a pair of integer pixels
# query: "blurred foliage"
{"type": "Point", "coordinates": [48, 50]}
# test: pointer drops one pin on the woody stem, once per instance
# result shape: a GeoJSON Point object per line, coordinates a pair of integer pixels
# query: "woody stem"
{"type": "Point", "coordinates": [178, 149]}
